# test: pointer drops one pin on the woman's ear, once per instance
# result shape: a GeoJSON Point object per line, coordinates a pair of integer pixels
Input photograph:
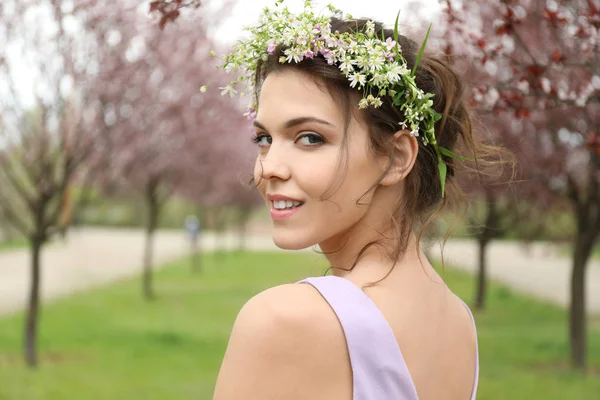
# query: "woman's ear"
{"type": "Point", "coordinates": [405, 150]}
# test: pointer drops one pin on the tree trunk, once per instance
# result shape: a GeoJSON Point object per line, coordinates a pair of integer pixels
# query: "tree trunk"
{"type": "Point", "coordinates": [584, 244]}
{"type": "Point", "coordinates": [489, 231]}
{"type": "Point", "coordinates": [33, 304]}
{"type": "Point", "coordinates": [151, 223]}
{"type": "Point", "coordinates": [481, 276]}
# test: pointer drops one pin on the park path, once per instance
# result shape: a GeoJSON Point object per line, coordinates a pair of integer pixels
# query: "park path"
{"type": "Point", "coordinates": [93, 257]}
{"type": "Point", "coordinates": [539, 269]}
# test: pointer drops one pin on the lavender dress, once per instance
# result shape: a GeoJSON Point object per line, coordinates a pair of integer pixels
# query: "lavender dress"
{"type": "Point", "coordinates": [378, 367]}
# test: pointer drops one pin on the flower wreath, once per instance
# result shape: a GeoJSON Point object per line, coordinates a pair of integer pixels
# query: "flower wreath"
{"type": "Point", "coordinates": [375, 66]}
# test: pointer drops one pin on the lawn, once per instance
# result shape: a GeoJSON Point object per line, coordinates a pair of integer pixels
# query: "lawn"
{"type": "Point", "coordinates": [110, 344]}
{"type": "Point", "coordinates": [13, 244]}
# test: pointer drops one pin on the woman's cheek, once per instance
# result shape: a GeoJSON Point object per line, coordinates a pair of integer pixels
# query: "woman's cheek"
{"type": "Point", "coordinates": [315, 178]}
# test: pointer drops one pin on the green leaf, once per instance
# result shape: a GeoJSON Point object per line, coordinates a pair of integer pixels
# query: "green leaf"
{"type": "Point", "coordinates": [450, 154]}
{"type": "Point", "coordinates": [414, 71]}
{"type": "Point", "coordinates": [436, 117]}
{"type": "Point", "coordinates": [396, 29]}
{"type": "Point", "coordinates": [443, 170]}
{"type": "Point", "coordinates": [398, 97]}
{"type": "Point", "coordinates": [383, 35]}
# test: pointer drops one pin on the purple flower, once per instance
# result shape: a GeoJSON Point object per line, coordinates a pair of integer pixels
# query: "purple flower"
{"type": "Point", "coordinates": [309, 54]}
{"type": "Point", "coordinates": [271, 48]}
{"type": "Point", "coordinates": [390, 43]}
{"type": "Point", "coordinates": [328, 56]}
{"type": "Point", "coordinates": [330, 42]}
{"type": "Point", "coordinates": [317, 28]}
{"type": "Point", "coordinates": [251, 113]}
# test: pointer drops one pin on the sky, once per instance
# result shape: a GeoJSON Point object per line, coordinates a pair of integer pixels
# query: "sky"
{"type": "Point", "coordinates": [246, 12]}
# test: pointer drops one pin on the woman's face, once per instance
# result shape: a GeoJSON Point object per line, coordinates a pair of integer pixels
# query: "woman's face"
{"type": "Point", "coordinates": [300, 133]}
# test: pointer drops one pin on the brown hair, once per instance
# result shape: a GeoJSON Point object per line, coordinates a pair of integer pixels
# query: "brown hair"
{"type": "Point", "coordinates": [422, 200]}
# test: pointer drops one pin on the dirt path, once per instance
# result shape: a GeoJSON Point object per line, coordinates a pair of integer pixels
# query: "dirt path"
{"type": "Point", "coordinates": [89, 258]}
{"type": "Point", "coordinates": [94, 257]}
{"type": "Point", "coordinates": [540, 270]}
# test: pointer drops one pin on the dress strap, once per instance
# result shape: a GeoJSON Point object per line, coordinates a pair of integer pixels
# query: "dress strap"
{"type": "Point", "coordinates": [378, 367]}
{"type": "Point", "coordinates": [476, 378]}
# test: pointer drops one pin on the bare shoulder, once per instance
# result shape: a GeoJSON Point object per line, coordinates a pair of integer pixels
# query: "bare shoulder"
{"type": "Point", "coordinates": [281, 346]}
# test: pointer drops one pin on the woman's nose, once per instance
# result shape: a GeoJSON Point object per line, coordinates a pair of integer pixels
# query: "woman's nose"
{"type": "Point", "coordinates": [274, 165]}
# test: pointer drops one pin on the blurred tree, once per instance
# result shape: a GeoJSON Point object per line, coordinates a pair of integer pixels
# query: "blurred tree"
{"type": "Point", "coordinates": [169, 10]}
{"type": "Point", "coordinates": [45, 119]}
{"type": "Point", "coordinates": [162, 135]}
{"type": "Point", "coordinates": [541, 62]}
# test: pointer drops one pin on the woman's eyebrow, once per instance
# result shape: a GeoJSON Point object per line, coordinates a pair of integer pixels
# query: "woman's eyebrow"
{"type": "Point", "coordinates": [296, 121]}
{"type": "Point", "coordinates": [302, 120]}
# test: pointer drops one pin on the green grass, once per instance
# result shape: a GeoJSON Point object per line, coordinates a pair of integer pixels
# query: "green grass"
{"type": "Point", "coordinates": [110, 344]}
{"type": "Point", "coordinates": [13, 245]}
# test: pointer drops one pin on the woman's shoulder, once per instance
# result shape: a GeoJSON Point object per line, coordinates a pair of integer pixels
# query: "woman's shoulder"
{"type": "Point", "coordinates": [289, 307]}
{"type": "Point", "coordinates": [282, 337]}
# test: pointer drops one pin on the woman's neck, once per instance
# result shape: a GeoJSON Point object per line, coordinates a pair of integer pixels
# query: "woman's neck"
{"type": "Point", "coordinates": [374, 263]}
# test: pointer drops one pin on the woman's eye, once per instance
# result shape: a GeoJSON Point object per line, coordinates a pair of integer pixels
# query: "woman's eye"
{"type": "Point", "coordinates": [262, 140]}
{"type": "Point", "coordinates": [310, 139]}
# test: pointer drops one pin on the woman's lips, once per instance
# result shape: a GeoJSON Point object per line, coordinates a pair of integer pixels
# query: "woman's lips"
{"type": "Point", "coordinates": [279, 215]}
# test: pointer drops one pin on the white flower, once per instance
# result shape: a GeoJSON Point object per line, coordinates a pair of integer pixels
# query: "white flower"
{"type": "Point", "coordinates": [353, 48]}
{"type": "Point", "coordinates": [377, 102]}
{"type": "Point", "coordinates": [346, 65]}
{"type": "Point", "coordinates": [363, 103]}
{"type": "Point", "coordinates": [400, 70]}
{"type": "Point", "coordinates": [378, 79]}
{"type": "Point", "coordinates": [228, 90]}
{"type": "Point", "coordinates": [203, 89]}
{"type": "Point", "coordinates": [358, 78]}
{"type": "Point", "coordinates": [362, 62]}
{"type": "Point", "coordinates": [288, 36]}
{"type": "Point", "coordinates": [414, 132]}
{"type": "Point", "coordinates": [294, 54]}
{"type": "Point", "coordinates": [370, 44]}
{"type": "Point", "coordinates": [377, 63]}
{"type": "Point", "coordinates": [403, 124]}
{"type": "Point", "coordinates": [392, 77]}
{"type": "Point", "coordinates": [370, 28]}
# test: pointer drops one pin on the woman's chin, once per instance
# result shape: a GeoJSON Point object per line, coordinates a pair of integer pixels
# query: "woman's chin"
{"type": "Point", "coordinates": [291, 242]}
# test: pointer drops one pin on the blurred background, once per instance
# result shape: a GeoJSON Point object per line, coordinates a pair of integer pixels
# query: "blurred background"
{"type": "Point", "coordinates": [129, 239]}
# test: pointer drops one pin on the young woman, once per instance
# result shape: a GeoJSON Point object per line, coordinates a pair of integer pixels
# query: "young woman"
{"type": "Point", "coordinates": [355, 155]}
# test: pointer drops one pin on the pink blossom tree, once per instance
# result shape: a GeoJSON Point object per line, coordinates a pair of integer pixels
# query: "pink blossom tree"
{"type": "Point", "coordinates": [162, 134]}
{"type": "Point", "coordinates": [541, 62]}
